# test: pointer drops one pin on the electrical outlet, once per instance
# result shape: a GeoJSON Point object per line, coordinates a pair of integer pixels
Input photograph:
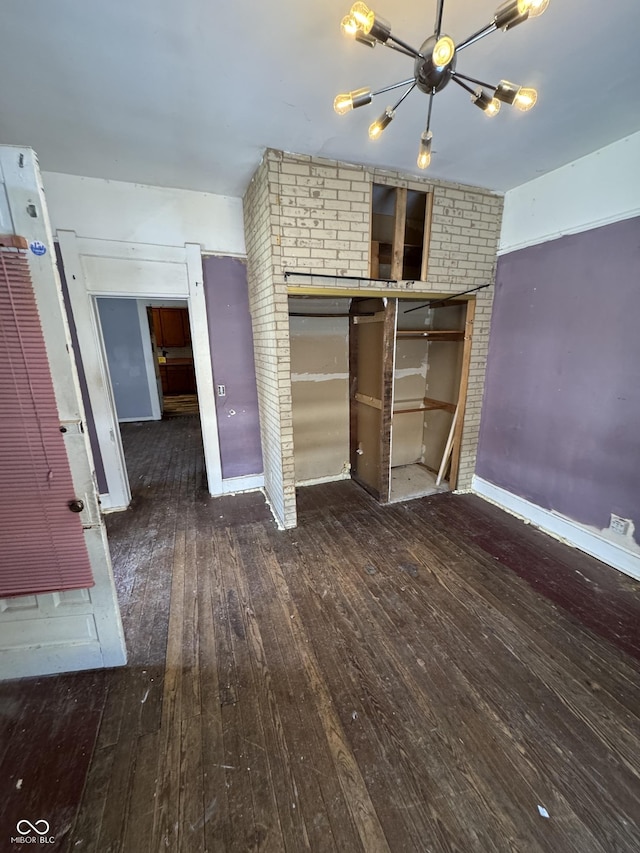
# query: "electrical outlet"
{"type": "Point", "coordinates": [619, 525]}
{"type": "Point", "coordinates": [222, 390]}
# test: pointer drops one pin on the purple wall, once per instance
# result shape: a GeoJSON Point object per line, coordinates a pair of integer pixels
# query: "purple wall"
{"type": "Point", "coordinates": [561, 413]}
{"type": "Point", "coordinates": [227, 298]}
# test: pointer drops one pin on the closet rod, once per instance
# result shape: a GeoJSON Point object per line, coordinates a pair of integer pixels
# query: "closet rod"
{"type": "Point", "coordinates": [447, 298]}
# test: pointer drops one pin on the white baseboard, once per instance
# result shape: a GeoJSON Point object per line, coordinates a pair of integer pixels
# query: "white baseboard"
{"type": "Point", "coordinates": [587, 539]}
{"type": "Point", "coordinates": [233, 485]}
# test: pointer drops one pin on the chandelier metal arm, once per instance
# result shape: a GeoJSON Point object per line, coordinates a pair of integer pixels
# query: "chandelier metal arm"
{"type": "Point", "coordinates": [400, 49]}
{"type": "Point", "coordinates": [428, 127]}
{"type": "Point", "coordinates": [411, 80]}
{"type": "Point", "coordinates": [406, 46]}
{"type": "Point", "coordinates": [473, 80]}
{"type": "Point", "coordinates": [472, 39]}
{"type": "Point", "coordinates": [405, 95]}
{"type": "Point", "coordinates": [457, 80]}
{"type": "Point", "coordinates": [438, 28]}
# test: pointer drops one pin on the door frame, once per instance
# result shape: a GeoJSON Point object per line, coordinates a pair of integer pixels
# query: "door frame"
{"type": "Point", "coordinates": [110, 268]}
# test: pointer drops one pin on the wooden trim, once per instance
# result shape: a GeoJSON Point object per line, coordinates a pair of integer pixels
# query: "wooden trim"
{"type": "Point", "coordinates": [426, 237]}
{"type": "Point", "coordinates": [353, 388]}
{"type": "Point", "coordinates": [374, 267]}
{"type": "Point", "coordinates": [388, 365]}
{"type": "Point", "coordinates": [462, 395]}
{"type": "Point", "coordinates": [397, 253]}
{"type": "Point", "coordinates": [366, 400]}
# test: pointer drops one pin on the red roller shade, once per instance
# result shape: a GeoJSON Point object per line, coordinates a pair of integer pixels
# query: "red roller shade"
{"type": "Point", "coordinates": [42, 546]}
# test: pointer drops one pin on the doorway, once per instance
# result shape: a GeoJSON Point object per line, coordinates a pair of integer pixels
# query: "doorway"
{"type": "Point", "coordinates": [149, 360]}
{"type": "Point", "coordinates": [173, 359]}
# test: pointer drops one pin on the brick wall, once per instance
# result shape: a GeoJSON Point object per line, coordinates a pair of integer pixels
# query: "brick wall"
{"type": "Point", "coordinates": [309, 214]}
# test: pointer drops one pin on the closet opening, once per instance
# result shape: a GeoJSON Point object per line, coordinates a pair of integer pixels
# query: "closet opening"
{"type": "Point", "coordinates": [378, 391]}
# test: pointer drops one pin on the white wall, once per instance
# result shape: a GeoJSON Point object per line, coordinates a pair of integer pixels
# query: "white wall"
{"type": "Point", "coordinates": [135, 213]}
{"type": "Point", "coordinates": [600, 188]}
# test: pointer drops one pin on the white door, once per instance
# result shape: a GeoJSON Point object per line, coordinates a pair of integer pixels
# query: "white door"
{"type": "Point", "coordinates": [74, 629]}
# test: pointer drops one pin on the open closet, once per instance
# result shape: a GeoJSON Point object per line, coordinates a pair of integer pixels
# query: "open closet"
{"type": "Point", "coordinates": [378, 391]}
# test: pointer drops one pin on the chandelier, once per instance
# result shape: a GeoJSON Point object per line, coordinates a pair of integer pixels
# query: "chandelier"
{"type": "Point", "coordinates": [435, 65]}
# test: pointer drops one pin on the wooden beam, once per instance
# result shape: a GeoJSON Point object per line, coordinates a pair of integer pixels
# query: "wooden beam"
{"type": "Point", "coordinates": [447, 450]}
{"type": "Point", "coordinates": [366, 400]}
{"type": "Point", "coordinates": [430, 403]}
{"type": "Point", "coordinates": [397, 258]}
{"type": "Point", "coordinates": [388, 364]}
{"type": "Point", "coordinates": [462, 394]}
{"type": "Point", "coordinates": [426, 238]}
{"type": "Point", "coordinates": [374, 270]}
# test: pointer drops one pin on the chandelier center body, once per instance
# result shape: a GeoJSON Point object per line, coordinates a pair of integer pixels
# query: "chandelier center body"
{"type": "Point", "coordinates": [429, 76]}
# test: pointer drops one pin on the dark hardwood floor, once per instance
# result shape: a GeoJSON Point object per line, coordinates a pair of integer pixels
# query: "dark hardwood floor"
{"type": "Point", "coordinates": [429, 676]}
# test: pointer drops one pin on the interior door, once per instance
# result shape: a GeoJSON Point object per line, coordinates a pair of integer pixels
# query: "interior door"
{"type": "Point", "coordinates": [73, 625]}
{"type": "Point", "coordinates": [372, 325]}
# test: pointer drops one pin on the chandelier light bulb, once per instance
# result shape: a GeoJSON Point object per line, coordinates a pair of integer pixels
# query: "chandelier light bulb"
{"type": "Point", "coordinates": [511, 13]}
{"type": "Point", "coordinates": [375, 130]}
{"type": "Point", "coordinates": [443, 51]}
{"type": "Point", "coordinates": [343, 103]}
{"type": "Point", "coordinates": [349, 26]}
{"type": "Point", "coordinates": [424, 152]}
{"type": "Point", "coordinates": [491, 106]}
{"type": "Point", "coordinates": [525, 99]}
{"type": "Point", "coordinates": [534, 8]}
{"type": "Point", "coordinates": [347, 101]}
{"type": "Point", "coordinates": [363, 16]}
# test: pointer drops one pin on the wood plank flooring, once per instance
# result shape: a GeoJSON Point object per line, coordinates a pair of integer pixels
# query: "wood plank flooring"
{"type": "Point", "coordinates": [424, 676]}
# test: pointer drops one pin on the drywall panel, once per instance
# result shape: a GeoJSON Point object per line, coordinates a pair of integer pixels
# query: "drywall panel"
{"type": "Point", "coordinates": [600, 188]}
{"type": "Point", "coordinates": [231, 343]}
{"type": "Point", "coordinates": [135, 213]}
{"type": "Point", "coordinates": [410, 375]}
{"type": "Point", "coordinates": [320, 389]}
{"type": "Point", "coordinates": [124, 348]}
{"type": "Point", "coordinates": [562, 397]}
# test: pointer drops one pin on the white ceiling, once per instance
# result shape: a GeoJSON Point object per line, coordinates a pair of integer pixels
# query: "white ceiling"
{"type": "Point", "coordinates": [188, 93]}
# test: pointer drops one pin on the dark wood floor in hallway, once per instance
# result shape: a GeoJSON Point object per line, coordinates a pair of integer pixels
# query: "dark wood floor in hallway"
{"type": "Point", "coordinates": [429, 676]}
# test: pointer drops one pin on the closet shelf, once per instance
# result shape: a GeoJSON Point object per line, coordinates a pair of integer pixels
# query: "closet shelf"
{"type": "Point", "coordinates": [426, 405]}
{"type": "Point", "coordinates": [432, 334]}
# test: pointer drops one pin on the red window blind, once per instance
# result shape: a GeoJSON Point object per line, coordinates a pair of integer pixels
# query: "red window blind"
{"type": "Point", "coordinates": [42, 547]}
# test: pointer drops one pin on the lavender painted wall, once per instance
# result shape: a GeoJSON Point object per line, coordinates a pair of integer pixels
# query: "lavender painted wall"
{"type": "Point", "coordinates": [231, 337]}
{"type": "Point", "coordinates": [561, 413]}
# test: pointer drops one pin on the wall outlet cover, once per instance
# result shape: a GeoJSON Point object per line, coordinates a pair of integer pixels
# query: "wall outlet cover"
{"type": "Point", "coordinates": [619, 525]}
